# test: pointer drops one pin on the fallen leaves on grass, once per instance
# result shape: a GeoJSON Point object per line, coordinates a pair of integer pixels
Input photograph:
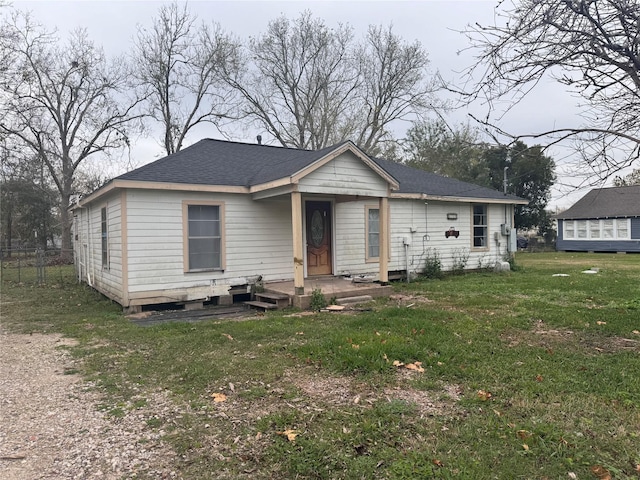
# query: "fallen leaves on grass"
{"type": "Point", "coordinates": [600, 472]}
{"type": "Point", "coordinates": [437, 463]}
{"type": "Point", "coordinates": [218, 397]}
{"type": "Point", "coordinates": [601, 323]}
{"type": "Point", "coordinates": [228, 336]}
{"type": "Point", "coordinates": [539, 378]}
{"type": "Point", "coordinates": [289, 434]}
{"type": "Point", "coordinates": [484, 395]}
{"type": "Point", "coordinates": [524, 434]}
{"type": "Point", "coordinates": [415, 366]}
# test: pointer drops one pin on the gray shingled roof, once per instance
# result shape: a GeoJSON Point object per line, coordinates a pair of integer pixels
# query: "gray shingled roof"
{"type": "Point", "coordinates": [219, 162]}
{"type": "Point", "coordinates": [606, 203]}
{"type": "Point", "coordinates": [413, 180]}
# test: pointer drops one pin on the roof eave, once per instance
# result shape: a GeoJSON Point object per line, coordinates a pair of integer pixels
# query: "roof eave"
{"type": "Point", "coordinates": [453, 198]}
{"type": "Point", "coordinates": [167, 186]}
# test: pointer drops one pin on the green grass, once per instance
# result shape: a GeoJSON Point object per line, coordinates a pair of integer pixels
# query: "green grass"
{"type": "Point", "coordinates": [560, 357]}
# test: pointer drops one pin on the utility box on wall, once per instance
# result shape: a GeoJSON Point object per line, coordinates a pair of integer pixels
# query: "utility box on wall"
{"type": "Point", "coordinates": [505, 229]}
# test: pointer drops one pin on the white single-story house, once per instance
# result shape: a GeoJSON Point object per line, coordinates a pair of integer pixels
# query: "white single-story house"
{"type": "Point", "coordinates": [604, 220]}
{"type": "Point", "coordinates": [218, 216]}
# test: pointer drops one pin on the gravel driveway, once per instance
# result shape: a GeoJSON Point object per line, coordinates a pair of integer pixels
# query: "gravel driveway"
{"type": "Point", "coordinates": [50, 425]}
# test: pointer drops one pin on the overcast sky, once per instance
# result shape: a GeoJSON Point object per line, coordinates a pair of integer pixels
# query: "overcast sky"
{"type": "Point", "coordinates": [436, 24]}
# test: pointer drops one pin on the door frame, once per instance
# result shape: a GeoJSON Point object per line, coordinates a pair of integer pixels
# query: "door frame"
{"type": "Point", "coordinates": [332, 239]}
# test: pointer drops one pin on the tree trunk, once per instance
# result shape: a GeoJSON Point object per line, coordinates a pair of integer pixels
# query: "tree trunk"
{"type": "Point", "coordinates": [8, 231]}
{"type": "Point", "coordinates": [65, 228]}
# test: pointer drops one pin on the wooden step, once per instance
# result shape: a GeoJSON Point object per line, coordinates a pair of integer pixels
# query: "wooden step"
{"type": "Point", "coordinates": [279, 299]}
{"type": "Point", "coordinates": [263, 305]}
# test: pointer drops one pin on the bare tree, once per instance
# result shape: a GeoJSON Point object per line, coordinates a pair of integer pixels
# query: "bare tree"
{"type": "Point", "coordinates": [310, 86]}
{"type": "Point", "coordinates": [179, 65]}
{"type": "Point", "coordinates": [589, 46]}
{"type": "Point", "coordinates": [395, 86]}
{"type": "Point", "coordinates": [62, 103]}
{"type": "Point", "coordinates": [297, 81]}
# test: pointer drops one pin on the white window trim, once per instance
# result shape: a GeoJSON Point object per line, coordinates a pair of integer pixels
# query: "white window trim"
{"type": "Point", "coordinates": [601, 237]}
{"type": "Point", "coordinates": [367, 258]}
{"type": "Point", "coordinates": [487, 245]}
{"type": "Point", "coordinates": [185, 235]}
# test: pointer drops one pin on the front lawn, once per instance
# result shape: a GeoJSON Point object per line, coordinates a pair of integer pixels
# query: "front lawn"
{"type": "Point", "coordinates": [515, 375]}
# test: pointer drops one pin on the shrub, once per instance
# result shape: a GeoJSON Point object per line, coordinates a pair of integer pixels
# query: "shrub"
{"type": "Point", "coordinates": [460, 259]}
{"type": "Point", "coordinates": [432, 265]}
{"type": "Point", "coordinates": [318, 302]}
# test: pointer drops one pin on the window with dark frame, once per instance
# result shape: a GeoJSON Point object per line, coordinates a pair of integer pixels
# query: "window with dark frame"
{"type": "Point", "coordinates": [480, 226]}
{"type": "Point", "coordinates": [105, 238]}
{"type": "Point", "coordinates": [204, 237]}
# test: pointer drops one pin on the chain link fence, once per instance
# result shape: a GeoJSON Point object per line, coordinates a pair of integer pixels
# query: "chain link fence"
{"type": "Point", "coordinates": [32, 266]}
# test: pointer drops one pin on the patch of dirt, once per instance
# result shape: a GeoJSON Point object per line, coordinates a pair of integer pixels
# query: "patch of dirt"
{"type": "Point", "coordinates": [50, 425]}
{"type": "Point", "coordinates": [404, 300]}
{"type": "Point", "coordinates": [549, 338]}
{"type": "Point", "coordinates": [334, 390]}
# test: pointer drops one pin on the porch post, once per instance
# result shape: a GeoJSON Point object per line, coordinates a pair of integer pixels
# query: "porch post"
{"type": "Point", "coordinates": [298, 251]}
{"type": "Point", "coordinates": [384, 240]}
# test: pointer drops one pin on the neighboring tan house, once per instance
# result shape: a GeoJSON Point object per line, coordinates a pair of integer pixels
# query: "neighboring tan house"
{"type": "Point", "coordinates": [604, 220]}
{"type": "Point", "coordinates": [217, 217]}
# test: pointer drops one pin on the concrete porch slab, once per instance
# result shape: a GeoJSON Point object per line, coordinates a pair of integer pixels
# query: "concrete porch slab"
{"type": "Point", "coordinates": [331, 287]}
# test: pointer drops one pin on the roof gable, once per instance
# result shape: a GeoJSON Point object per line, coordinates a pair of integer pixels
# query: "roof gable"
{"type": "Point", "coordinates": [606, 203]}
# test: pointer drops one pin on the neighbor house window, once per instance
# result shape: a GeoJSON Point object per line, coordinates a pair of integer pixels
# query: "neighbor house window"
{"type": "Point", "coordinates": [373, 233]}
{"type": "Point", "coordinates": [204, 241]}
{"type": "Point", "coordinates": [480, 226]}
{"type": "Point", "coordinates": [582, 229]}
{"type": "Point", "coordinates": [569, 229]}
{"type": "Point", "coordinates": [597, 229]}
{"type": "Point", "coordinates": [622, 230]}
{"type": "Point", "coordinates": [105, 238]}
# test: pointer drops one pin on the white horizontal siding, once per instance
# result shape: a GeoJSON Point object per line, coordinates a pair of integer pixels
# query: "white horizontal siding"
{"type": "Point", "coordinates": [351, 239]}
{"type": "Point", "coordinates": [425, 224]}
{"type": "Point", "coordinates": [344, 175]}
{"type": "Point", "coordinates": [257, 240]}
{"type": "Point", "coordinates": [89, 246]}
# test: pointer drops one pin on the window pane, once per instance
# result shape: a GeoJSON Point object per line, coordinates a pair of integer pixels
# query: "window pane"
{"type": "Point", "coordinates": [105, 238]}
{"type": "Point", "coordinates": [479, 236]}
{"type": "Point", "coordinates": [582, 229]}
{"type": "Point", "coordinates": [607, 229]}
{"type": "Point", "coordinates": [569, 229]}
{"type": "Point", "coordinates": [374, 245]}
{"type": "Point", "coordinates": [480, 226]}
{"type": "Point", "coordinates": [200, 228]}
{"type": "Point", "coordinates": [204, 212]}
{"type": "Point", "coordinates": [594, 228]}
{"type": "Point", "coordinates": [622, 229]}
{"type": "Point", "coordinates": [204, 237]}
{"type": "Point", "coordinates": [373, 234]}
{"type": "Point", "coordinates": [204, 253]}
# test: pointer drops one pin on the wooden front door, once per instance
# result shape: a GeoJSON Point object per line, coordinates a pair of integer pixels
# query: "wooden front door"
{"type": "Point", "coordinates": [318, 218]}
